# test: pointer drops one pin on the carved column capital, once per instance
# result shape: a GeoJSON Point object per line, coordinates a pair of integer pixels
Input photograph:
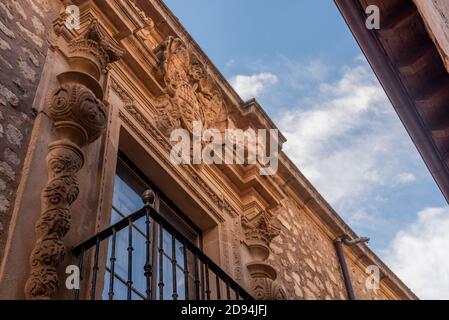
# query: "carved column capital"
{"type": "Point", "coordinates": [260, 228]}
{"type": "Point", "coordinates": [95, 47]}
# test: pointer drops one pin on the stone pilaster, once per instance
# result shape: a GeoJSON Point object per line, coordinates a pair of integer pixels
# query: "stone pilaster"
{"type": "Point", "coordinates": [259, 232]}
{"type": "Point", "coordinates": [79, 117]}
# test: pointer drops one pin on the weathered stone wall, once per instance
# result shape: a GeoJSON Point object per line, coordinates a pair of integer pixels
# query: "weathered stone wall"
{"type": "Point", "coordinates": [24, 26]}
{"type": "Point", "coordinates": [358, 278]}
{"type": "Point", "coordinates": [307, 263]}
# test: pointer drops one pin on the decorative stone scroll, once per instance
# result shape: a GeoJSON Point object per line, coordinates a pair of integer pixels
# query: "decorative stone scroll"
{"type": "Point", "coordinates": [259, 231]}
{"type": "Point", "coordinates": [191, 93]}
{"type": "Point", "coordinates": [79, 117]}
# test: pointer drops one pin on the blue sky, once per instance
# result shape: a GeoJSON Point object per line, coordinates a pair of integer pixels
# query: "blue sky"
{"type": "Point", "coordinates": [299, 59]}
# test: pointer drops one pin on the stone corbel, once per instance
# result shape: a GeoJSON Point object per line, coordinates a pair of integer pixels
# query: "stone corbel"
{"type": "Point", "coordinates": [259, 231]}
{"type": "Point", "coordinates": [79, 117]}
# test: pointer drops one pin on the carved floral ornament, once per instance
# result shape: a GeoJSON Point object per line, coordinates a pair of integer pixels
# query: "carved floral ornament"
{"type": "Point", "coordinates": [191, 93]}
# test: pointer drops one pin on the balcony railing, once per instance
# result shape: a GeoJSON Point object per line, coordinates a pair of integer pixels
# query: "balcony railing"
{"type": "Point", "coordinates": [170, 266]}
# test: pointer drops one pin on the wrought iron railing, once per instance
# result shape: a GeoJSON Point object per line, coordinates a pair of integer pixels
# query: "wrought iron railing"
{"type": "Point", "coordinates": [173, 267]}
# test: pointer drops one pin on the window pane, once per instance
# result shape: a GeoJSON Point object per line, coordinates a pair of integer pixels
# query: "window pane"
{"type": "Point", "coordinates": [139, 257]}
{"type": "Point", "coordinates": [167, 279]}
{"type": "Point", "coordinates": [104, 294]}
{"type": "Point", "coordinates": [179, 250]}
{"type": "Point", "coordinates": [116, 216]}
{"type": "Point", "coordinates": [121, 253]}
{"type": "Point", "coordinates": [166, 240]}
{"type": "Point", "coordinates": [125, 199]}
{"type": "Point", "coordinates": [180, 281]}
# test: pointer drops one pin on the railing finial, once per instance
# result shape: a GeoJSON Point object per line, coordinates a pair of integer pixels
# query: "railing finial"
{"type": "Point", "coordinates": [148, 197]}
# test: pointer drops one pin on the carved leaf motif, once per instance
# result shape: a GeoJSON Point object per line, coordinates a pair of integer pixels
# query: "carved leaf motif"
{"type": "Point", "coordinates": [55, 220]}
{"type": "Point", "coordinates": [260, 227]}
{"type": "Point", "coordinates": [48, 251]}
{"type": "Point", "coordinates": [64, 160]}
{"type": "Point", "coordinates": [62, 190]}
{"type": "Point", "coordinates": [42, 282]}
{"type": "Point", "coordinates": [267, 289]}
{"type": "Point", "coordinates": [91, 114]}
{"type": "Point", "coordinates": [64, 163]}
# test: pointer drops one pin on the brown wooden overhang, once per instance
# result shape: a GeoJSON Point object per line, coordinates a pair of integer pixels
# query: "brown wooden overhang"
{"type": "Point", "coordinates": [408, 65]}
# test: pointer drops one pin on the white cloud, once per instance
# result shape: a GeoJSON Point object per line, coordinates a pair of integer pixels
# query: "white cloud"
{"type": "Point", "coordinates": [405, 177]}
{"type": "Point", "coordinates": [299, 73]}
{"type": "Point", "coordinates": [347, 139]}
{"type": "Point", "coordinates": [230, 63]}
{"type": "Point", "coordinates": [252, 86]}
{"type": "Point", "coordinates": [418, 254]}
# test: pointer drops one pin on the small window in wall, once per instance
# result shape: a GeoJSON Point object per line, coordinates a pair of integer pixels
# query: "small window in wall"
{"type": "Point", "coordinates": [128, 188]}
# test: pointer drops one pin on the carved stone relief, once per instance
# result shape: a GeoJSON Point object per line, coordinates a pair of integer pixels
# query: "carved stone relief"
{"type": "Point", "coordinates": [191, 93]}
{"type": "Point", "coordinates": [267, 289]}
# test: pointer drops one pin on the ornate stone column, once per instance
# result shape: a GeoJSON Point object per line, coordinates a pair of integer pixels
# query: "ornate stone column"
{"type": "Point", "coordinates": [79, 117]}
{"type": "Point", "coordinates": [259, 231]}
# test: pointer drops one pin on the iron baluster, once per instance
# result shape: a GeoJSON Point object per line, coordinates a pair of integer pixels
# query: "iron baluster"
{"type": "Point", "coordinates": [174, 263]}
{"type": "Point", "coordinates": [80, 267]}
{"type": "Point", "coordinates": [95, 269]}
{"type": "Point", "coordinates": [112, 260]}
{"type": "Point", "coordinates": [186, 273]}
{"type": "Point", "coordinates": [161, 263]}
{"type": "Point", "coordinates": [129, 282]}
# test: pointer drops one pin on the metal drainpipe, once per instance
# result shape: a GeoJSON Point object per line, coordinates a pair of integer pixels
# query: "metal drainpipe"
{"type": "Point", "coordinates": [341, 258]}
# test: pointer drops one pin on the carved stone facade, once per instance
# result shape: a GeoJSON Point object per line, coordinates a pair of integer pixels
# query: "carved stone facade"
{"type": "Point", "coordinates": [120, 84]}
